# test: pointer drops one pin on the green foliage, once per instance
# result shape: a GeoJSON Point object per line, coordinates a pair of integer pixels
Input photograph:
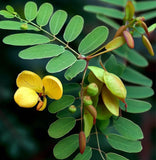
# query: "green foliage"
{"type": "Point", "coordinates": [93, 40]}
{"type": "Point", "coordinates": [65, 147]}
{"type": "Point", "coordinates": [61, 127]}
{"type": "Point", "coordinates": [41, 51]}
{"type": "Point", "coordinates": [25, 39]}
{"type": "Point", "coordinates": [73, 28]}
{"type": "Point", "coordinates": [109, 131]}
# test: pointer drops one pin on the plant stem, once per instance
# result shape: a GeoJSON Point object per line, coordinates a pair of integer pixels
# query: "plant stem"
{"type": "Point", "coordinates": [97, 138]}
{"type": "Point", "coordinates": [82, 92]}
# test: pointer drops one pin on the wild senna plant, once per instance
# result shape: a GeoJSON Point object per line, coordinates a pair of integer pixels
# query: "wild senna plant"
{"type": "Point", "coordinates": [102, 94]}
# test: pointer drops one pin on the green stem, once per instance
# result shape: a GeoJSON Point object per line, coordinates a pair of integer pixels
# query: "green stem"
{"type": "Point", "coordinates": [82, 92]}
{"type": "Point", "coordinates": [99, 149]}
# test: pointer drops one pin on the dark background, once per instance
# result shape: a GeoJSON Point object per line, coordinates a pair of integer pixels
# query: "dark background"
{"type": "Point", "coordinates": [23, 132]}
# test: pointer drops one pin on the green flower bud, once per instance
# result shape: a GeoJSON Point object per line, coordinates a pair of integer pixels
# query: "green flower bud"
{"type": "Point", "coordinates": [92, 89]}
{"type": "Point", "coordinates": [87, 100]}
{"type": "Point", "coordinates": [24, 26]}
{"type": "Point", "coordinates": [72, 109]}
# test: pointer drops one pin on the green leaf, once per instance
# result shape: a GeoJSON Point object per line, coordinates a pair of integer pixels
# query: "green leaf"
{"type": "Point", "coordinates": [136, 106]}
{"type": "Point", "coordinates": [10, 8]}
{"type": "Point", "coordinates": [75, 69]}
{"type": "Point", "coordinates": [41, 51]}
{"type": "Point", "coordinates": [61, 62]}
{"type": "Point", "coordinates": [64, 148]}
{"type": "Point", "coordinates": [98, 72]}
{"type": "Point", "coordinates": [144, 5]}
{"type": "Point", "coordinates": [108, 21]}
{"type": "Point", "coordinates": [61, 127]}
{"type": "Point", "coordinates": [152, 27]}
{"type": "Point", "coordinates": [102, 124]}
{"type": "Point", "coordinates": [25, 39]}
{"type": "Point", "coordinates": [133, 76]}
{"type": "Point", "coordinates": [44, 13]}
{"type": "Point", "coordinates": [123, 144]}
{"type": "Point", "coordinates": [120, 3]}
{"type": "Point", "coordinates": [131, 55]}
{"type": "Point", "coordinates": [127, 128]}
{"type": "Point", "coordinates": [88, 122]}
{"type": "Point", "coordinates": [102, 112]}
{"type": "Point", "coordinates": [73, 28]}
{"type": "Point", "coordinates": [139, 92]}
{"type": "Point", "coordinates": [57, 21]}
{"type": "Point", "coordinates": [112, 66]}
{"type": "Point", "coordinates": [6, 14]}
{"type": "Point", "coordinates": [93, 40]}
{"type": "Point", "coordinates": [85, 156]}
{"type": "Point", "coordinates": [30, 10]}
{"type": "Point", "coordinates": [14, 25]}
{"type": "Point", "coordinates": [61, 104]}
{"type": "Point", "coordinates": [71, 87]}
{"type": "Point", "coordinates": [110, 12]}
{"type": "Point", "coordinates": [149, 15]}
{"type": "Point", "coordinates": [114, 156]}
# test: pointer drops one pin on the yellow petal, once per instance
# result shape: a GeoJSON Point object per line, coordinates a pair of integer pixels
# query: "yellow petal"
{"type": "Point", "coordinates": [111, 102]}
{"type": "Point", "coordinates": [53, 87]}
{"type": "Point", "coordinates": [30, 80]}
{"type": "Point", "coordinates": [26, 97]}
{"type": "Point", "coordinates": [42, 105]}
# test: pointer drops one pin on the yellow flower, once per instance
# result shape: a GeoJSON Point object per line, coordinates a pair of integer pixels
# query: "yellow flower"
{"type": "Point", "coordinates": [32, 89]}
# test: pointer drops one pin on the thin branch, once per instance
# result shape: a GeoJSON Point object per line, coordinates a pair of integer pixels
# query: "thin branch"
{"type": "Point", "coordinates": [99, 149]}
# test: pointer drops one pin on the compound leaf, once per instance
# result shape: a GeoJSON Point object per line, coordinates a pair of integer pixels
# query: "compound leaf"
{"type": "Point", "coordinates": [25, 39]}
{"type": "Point", "coordinates": [61, 62]}
{"type": "Point", "coordinates": [61, 104]}
{"type": "Point", "coordinates": [123, 144]}
{"type": "Point", "coordinates": [133, 76]}
{"type": "Point", "coordinates": [144, 5]}
{"type": "Point", "coordinates": [93, 40]}
{"type": "Point", "coordinates": [61, 127]}
{"type": "Point", "coordinates": [57, 21]}
{"type": "Point", "coordinates": [110, 12]}
{"type": "Point", "coordinates": [136, 106]}
{"type": "Point", "coordinates": [75, 69]}
{"type": "Point", "coordinates": [65, 147]}
{"type": "Point", "coordinates": [139, 92]}
{"type": "Point", "coordinates": [44, 13]}
{"type": "Point", "coordinates": [85, 156]}
{"type": "Point", "coordinates": [14, 25]}
{"type": "Point", "coordinates": [41, 51]}
{"type": "Point", "coordinates": [30, 10]}
{"type": "Point", "coordinates": [114, 156]}
{"type": "Point", "coordinates": [73, 28]}
{"type": "Point", "coordinates": [108, 21]}
{"type": "Point", "coordinates": [128, 128]}
{"type": "Point", "coordinates": [6, 14]}
{"type": "Point", "coordinates": [131, 55]}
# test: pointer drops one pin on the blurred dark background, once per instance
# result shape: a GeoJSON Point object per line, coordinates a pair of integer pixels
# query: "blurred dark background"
{"type": "Point", "coordinates": [23, 132]}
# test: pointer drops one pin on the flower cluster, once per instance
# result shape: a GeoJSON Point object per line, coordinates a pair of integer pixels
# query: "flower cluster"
{"type": "Point", "coordinates": [32, 90]}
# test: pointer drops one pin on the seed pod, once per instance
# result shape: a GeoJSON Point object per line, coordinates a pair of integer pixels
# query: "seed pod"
{"type": "Point", "coordinates": [93, 112]}
{"type": "Point", "coordinates": [148, 45]}
{"type": "Point", "coordinates": [143, 24]}
{"type": "Point", "coordinates": [115, 85]}
{"type": "Point", "coordinates": [72, 109]}
{"type": "Point", "coordinates": [92, 89]}
{"type": "Point", "coordinates": [119, 31]}
{"type": "Point", "coordinates": [24, 26]}
{"type": "Point", "coordinates": [87, 100]}
{"type": "Point", "coordinates": [129, 39]}
{"type": "Point", "coordinates": [82, 142]}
